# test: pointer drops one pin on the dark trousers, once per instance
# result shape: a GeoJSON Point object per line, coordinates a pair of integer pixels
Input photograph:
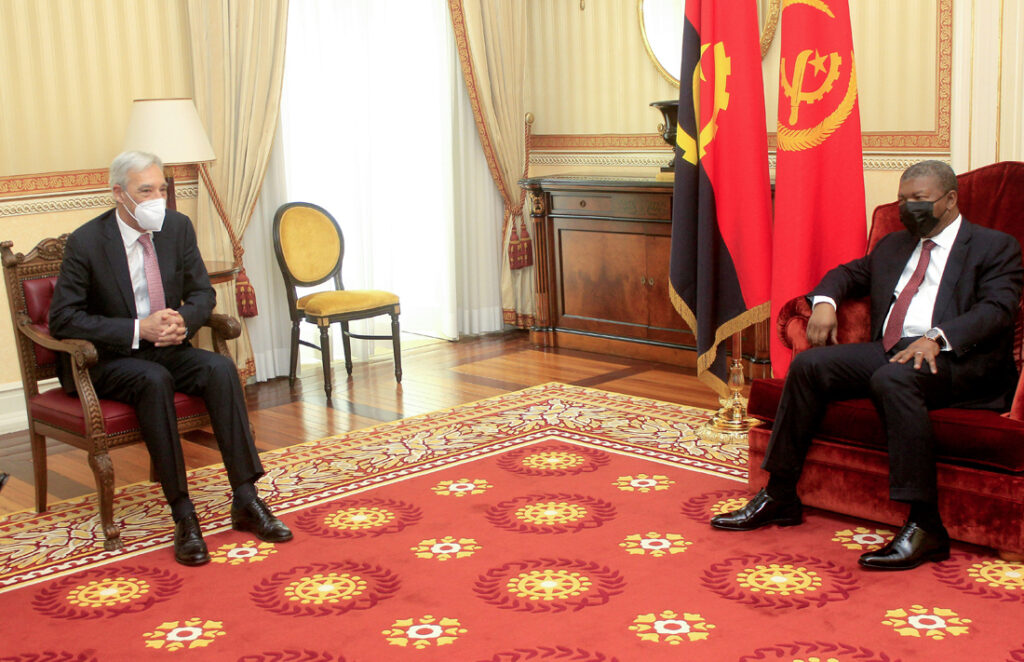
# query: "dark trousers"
{"type": "Point", "coordinates": [901, 395]}
{"type": "Point", "coordinates": [147, 381]}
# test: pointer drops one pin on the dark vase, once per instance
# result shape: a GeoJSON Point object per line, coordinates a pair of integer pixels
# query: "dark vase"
{"type": "Point", "coordinates": [669, 110]}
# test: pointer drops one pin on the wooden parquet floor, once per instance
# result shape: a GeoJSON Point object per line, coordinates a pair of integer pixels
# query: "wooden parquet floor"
{"type": "Point", "coordinates": [435, 376]}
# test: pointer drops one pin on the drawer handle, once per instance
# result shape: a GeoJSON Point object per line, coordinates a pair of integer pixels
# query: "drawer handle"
{"type": "Point", "coordinates": [583, 203]}
{"type": "Point", "coordinates": [650, 281]}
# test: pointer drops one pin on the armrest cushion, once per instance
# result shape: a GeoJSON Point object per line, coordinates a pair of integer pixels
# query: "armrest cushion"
{"type": "Point", "coordinates": [854, 322]}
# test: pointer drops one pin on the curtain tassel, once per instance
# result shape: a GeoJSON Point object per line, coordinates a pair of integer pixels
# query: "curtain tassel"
{"type": "Point", "coordinates": [520, 247]}
{"type": "Point", "coordinates": [245, 295]}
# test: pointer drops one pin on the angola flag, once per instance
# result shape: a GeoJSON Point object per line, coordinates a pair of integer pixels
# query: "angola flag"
{"type": "Point", "coordinates": [819, 174]}
{"type": "Point", "coordinates": [720, 265]}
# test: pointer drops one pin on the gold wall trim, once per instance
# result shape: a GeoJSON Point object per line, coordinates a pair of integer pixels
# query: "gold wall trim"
{"type": "Point", "coordinates": [600, 141]}
{"type": "Point", "coordinates": [642, 159]}
{"type": "Point", "coordinates": [49, 183]}
{"type": "Point", "coordinates": [599, 159]}
{"type": "Point", "coordinates": [940, 138]}
{"type": "Point", "coordinates": [60, 202]}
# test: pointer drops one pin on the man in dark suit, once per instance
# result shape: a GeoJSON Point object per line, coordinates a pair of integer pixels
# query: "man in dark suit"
{"type": "Point", "coordinates": [944, 297]}
{"type": "Point", "coordinates": [133, 283]}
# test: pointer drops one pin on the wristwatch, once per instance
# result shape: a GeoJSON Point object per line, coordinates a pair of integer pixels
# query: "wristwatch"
{"type": "Point", "coordinates": [936, 335]}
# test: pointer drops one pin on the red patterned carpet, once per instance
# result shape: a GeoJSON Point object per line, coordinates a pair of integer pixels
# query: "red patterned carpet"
{"type": "Point", "coordinates": [556, 523]}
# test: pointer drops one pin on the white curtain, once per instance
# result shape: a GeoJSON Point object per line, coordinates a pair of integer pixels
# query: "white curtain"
{"type": "Point", "coordinates": [270, 331]}
{"type": "Point", "coordinates": [377, 128]}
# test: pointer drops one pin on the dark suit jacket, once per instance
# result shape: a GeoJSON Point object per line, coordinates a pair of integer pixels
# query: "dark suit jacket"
{"type": "Point", "coordinates": [93, 298]}
{"type": "Point", "coordinates": [978, 300]}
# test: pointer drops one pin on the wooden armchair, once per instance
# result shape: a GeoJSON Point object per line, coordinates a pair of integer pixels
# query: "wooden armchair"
{"type": "Point", "coordinates": [83, 420]}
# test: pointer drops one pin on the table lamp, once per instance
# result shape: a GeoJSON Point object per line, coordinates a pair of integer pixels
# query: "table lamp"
{"type": "Point", "coordinates": [171, 129]}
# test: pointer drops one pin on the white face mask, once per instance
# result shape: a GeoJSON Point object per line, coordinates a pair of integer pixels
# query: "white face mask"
{"type": "Point", "coordinates": [149, 214]}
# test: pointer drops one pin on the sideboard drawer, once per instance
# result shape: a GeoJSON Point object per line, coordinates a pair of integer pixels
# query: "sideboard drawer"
{"type": "Point", "coordinates": [571, 203]}
{"type": "Point", "coordinates": [626, 206]}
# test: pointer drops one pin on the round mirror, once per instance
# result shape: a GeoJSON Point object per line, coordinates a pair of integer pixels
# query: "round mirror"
{"type": "Point", "coordinates": [661, 26]}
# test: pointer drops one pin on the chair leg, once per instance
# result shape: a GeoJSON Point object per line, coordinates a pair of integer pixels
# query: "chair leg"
{"type": "Point", "coordinates": [38, 443]}
{"type": "Point", "coordinates": [346, 343]}
{"type": "Point", "coordinates": [325, 356]}
{"type": "Point", "coordinates": [397, 344]}
{"type": "Point", "coordinates": [103, 470]}
{"type": "Point", "coordinates": [293, 365]}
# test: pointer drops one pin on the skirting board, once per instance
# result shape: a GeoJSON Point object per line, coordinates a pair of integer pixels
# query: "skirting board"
{"type": "Point", "coordinates": [13, 416]}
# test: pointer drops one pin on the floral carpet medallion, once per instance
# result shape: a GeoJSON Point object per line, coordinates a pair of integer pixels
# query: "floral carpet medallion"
{"type": "Point", "coordinates": [556, 523]}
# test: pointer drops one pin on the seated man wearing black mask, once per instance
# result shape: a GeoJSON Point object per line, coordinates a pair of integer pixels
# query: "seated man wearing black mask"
{"type": "Point", "coordinates": [944, 298]}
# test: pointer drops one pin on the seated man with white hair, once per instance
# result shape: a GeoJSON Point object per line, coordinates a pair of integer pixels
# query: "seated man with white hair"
{"type": "Point", "coordinates": [133, 283]}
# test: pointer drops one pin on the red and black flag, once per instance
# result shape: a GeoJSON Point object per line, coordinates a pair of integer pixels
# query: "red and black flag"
{"type": "Point", "coordinates": [721, 216]}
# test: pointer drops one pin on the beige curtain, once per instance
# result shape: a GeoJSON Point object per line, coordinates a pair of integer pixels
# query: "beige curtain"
{"type": "Point", "coordinates": [491, 39]}
{"type": "Point", "coordinates": [237, 68]}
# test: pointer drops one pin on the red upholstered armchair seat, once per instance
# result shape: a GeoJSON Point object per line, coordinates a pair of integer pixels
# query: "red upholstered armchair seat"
{"type": "Point", "coordinates": [980, 453]}
{"type": "Point", "coordinates": [971, 437]}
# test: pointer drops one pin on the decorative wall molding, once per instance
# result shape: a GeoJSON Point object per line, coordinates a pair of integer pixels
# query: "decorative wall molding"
{"type": "Point", "coordinates": [74, 181]}
{"type": "Point", "coordinates": [645, 159]}
{"type": "Point", "coordinates": [50, 203]}
{"type": "Point", "coordinates": [602, 159]}
{"type": "Point", "coordinates": [597, 141]}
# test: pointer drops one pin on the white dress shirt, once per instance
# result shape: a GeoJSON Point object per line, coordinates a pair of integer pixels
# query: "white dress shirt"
{"type": "Point", "coordinates": [137, 271]}
{"type": "Point", "coordinates": [919, 314]}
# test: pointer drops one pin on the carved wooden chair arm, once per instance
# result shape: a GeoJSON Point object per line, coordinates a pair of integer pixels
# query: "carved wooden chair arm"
{"type": "Point", "coordinates": [82, 352]}
{"type": "Point", "coordinates": [83, 355]}
{"type": "Point", "coordinates": [223, 328]}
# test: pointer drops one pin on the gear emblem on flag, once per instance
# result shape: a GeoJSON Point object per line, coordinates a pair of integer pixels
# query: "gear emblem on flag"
{"type": "Point", "coordinates": [723, 69]}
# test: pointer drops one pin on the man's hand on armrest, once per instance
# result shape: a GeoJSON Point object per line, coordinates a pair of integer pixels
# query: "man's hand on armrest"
{"type": "Point", "coordinates": [822, 325]}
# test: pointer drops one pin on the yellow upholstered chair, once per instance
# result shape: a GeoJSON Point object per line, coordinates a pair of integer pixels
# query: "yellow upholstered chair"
{"type": "Point", "coordinates": [310, 248]}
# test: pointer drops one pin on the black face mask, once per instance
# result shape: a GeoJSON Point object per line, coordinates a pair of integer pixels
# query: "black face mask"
{"type": "Point", "coordinates": [918, 217]}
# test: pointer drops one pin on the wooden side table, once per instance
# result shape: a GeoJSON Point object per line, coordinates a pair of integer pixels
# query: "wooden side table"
{"type": "Point", "coordinates": [221, 271]}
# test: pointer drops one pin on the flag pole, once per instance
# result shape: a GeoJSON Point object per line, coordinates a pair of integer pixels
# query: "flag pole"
{"type": "Point", "coordinates": [730, 424]}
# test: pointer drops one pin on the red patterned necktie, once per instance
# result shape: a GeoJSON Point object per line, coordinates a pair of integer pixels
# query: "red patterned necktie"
{"type": "Point", "coordinates": [152, 269]}
{"type": "Point", "coordinates": [894, 329]}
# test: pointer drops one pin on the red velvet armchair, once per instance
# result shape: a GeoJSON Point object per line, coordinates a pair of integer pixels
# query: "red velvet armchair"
{"type": "Point", "coordinates": [981, 453]}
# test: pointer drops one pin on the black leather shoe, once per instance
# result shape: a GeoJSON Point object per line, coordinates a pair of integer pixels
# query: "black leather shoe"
{"type": "Point", "coordinates": [256, 518]}
{"type": "Point", "coordinates": [189, 548]}
{"type": "Point", "coordinates": [911, 547]}
{"type": "Point", "coordinates": [761, 511]}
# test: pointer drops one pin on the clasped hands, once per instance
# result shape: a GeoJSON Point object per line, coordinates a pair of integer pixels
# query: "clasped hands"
{"type": "Point", "coordinates": [164, 328]}
{"type": "Point", "coordinates": [823, 325]}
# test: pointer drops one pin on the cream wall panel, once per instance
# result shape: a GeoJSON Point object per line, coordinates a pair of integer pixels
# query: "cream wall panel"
{"type": "Point", "coordinates": [895, 46]}
{"type": "Point", "coordinates": [976, 55]}
{"type": "Point", "coordinates": [587, 70]}
{"type": "Point", "coordinates": [69, 70]}
{"type": "Point", "coordinates": [1010, 139]}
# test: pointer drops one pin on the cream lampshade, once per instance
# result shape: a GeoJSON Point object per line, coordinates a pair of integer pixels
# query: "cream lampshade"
{"type": "Point", "coordinates": [171, 129]}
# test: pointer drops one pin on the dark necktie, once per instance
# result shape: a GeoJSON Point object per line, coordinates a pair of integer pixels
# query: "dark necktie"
{"type": "Point", "coordinates": [894, 329]}
{"type": "Point", "coordinates": [152, 269]}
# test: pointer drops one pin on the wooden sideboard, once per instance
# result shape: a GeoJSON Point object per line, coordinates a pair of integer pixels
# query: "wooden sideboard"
{"type": "Point", "coordinates": [602, 249]}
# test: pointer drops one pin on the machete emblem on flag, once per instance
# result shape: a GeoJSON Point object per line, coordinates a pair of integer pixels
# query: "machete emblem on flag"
{"type": "Point", "coordinates": [794, 85]}
{"type": "Point", "coordinates": [723, 68]}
